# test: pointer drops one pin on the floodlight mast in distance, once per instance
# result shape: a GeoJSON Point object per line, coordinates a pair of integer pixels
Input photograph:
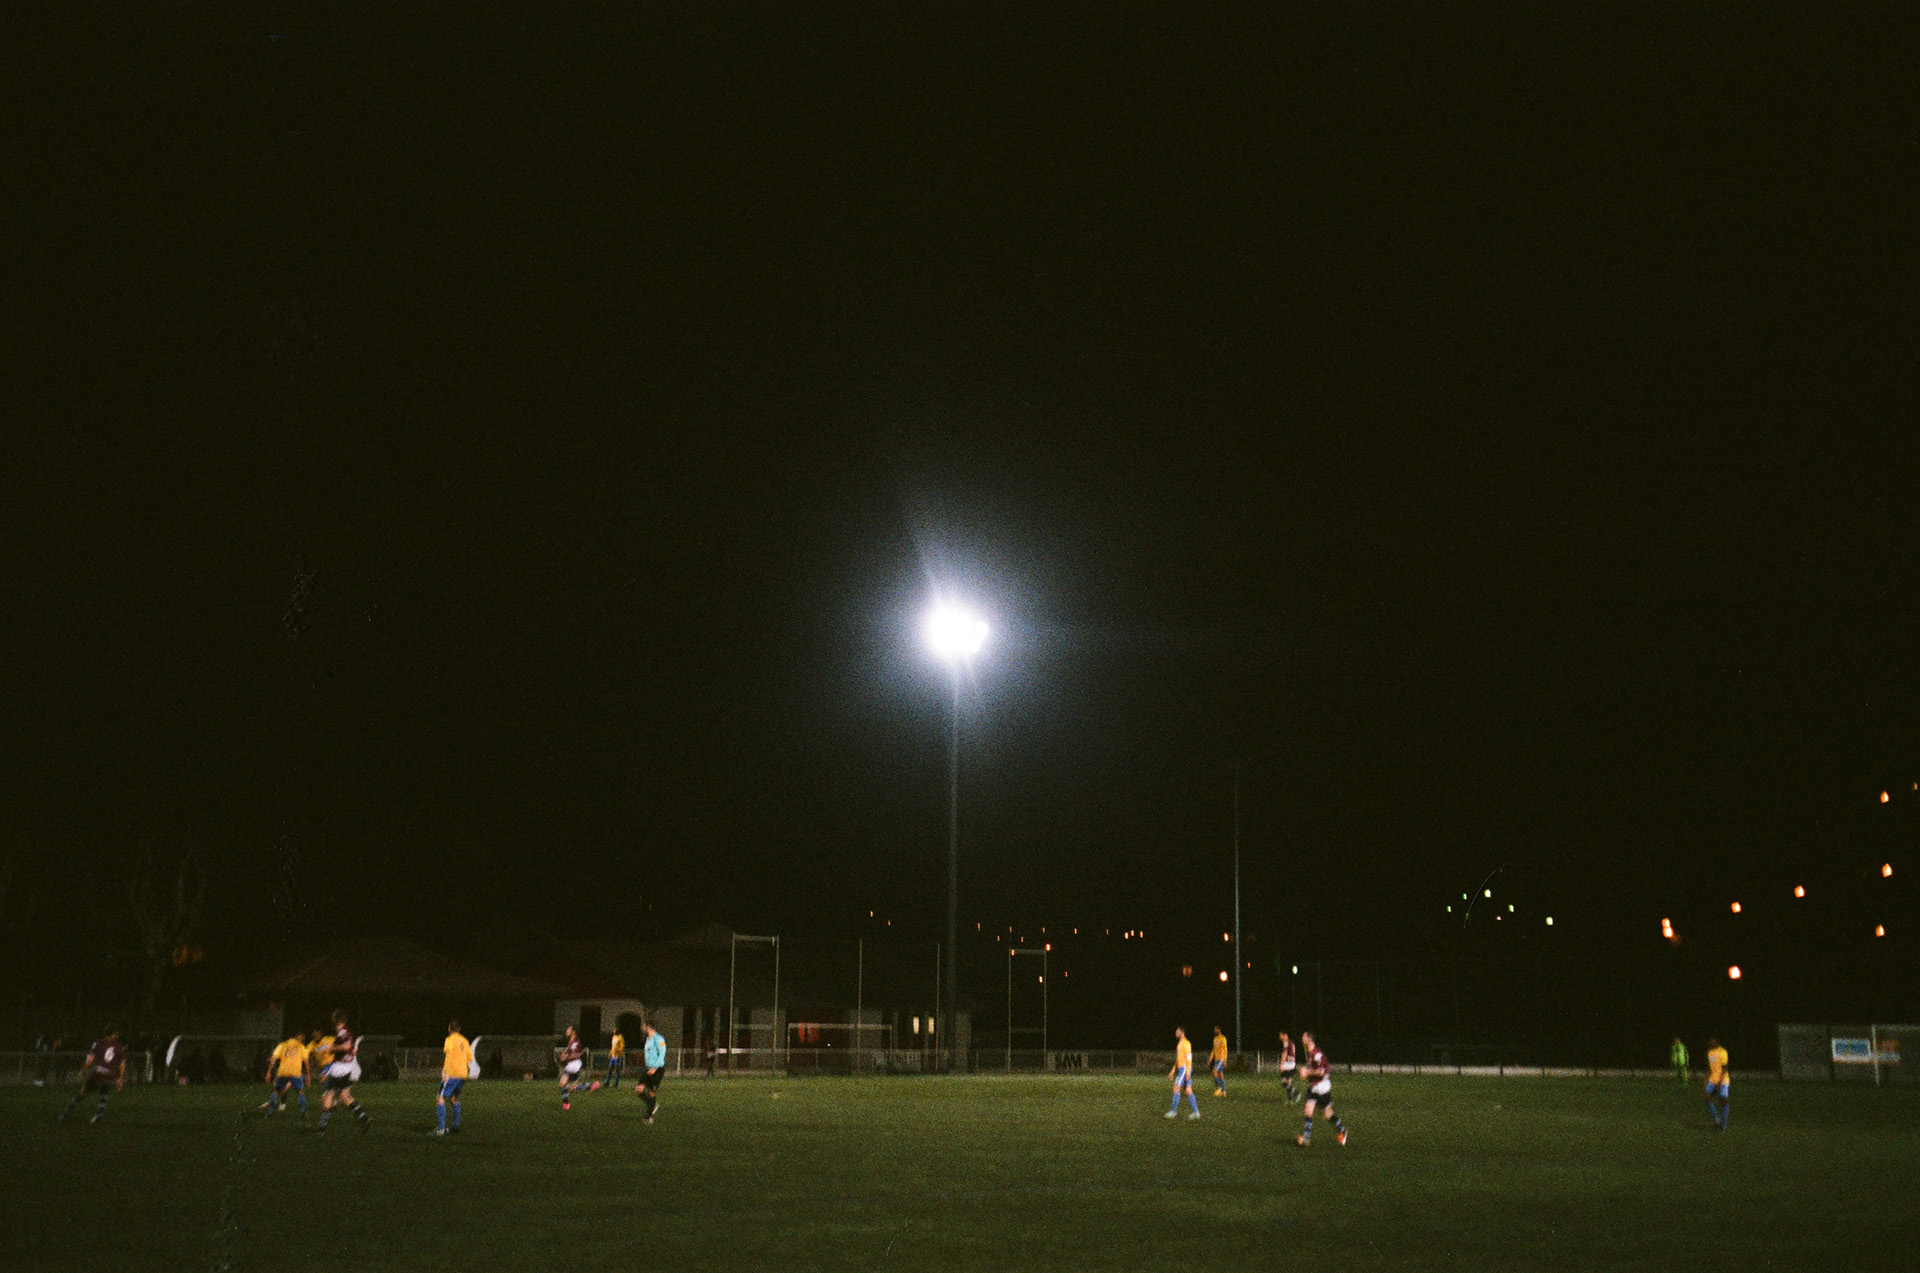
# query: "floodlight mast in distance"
{"type": "Point", "coordinates": [955, 635]}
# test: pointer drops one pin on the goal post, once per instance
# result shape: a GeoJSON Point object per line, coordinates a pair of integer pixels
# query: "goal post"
{"type": "Point", "coordinates": [733, 967]}
{"type": "Point", "coordinates": [1013, 952]}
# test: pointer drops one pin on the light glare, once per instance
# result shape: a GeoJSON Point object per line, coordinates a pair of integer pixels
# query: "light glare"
{"type": "Point", "coordinates": [954, 633]}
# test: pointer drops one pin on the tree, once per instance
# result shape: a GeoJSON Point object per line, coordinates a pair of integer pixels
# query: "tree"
{"type": "Point", "coordinates": [164, 901]}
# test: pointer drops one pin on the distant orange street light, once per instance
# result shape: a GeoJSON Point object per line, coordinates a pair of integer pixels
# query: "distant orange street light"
{"type": "Point", "coordinates": [1223, 975]}
{"type": "Point", "coordinates": [1736, 908]}
{"type": "Point", "coordinates": [1886, 869]}
{"type": "Point", "coordinates": [1733, 973]}
{"type": "Point", "coordinates": [1879, 930]}
{"type": "Point", "coordinates": [1799, 890]}
{"type": "Point", "coordinates": [1883, 797]}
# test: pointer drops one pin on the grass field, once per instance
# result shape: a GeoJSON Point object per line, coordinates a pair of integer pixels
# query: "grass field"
{"type": "Point", "coordinates": [982, 1173]}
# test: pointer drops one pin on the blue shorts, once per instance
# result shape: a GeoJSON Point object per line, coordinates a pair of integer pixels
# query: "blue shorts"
{"type": "Point", "coordinates": [1180, 1076]}
{"type": "Point", "coordinates": [286, 1081]}
{"type": "Point", "coordinates": [1219, 1067]}
{"type": "Point", "coordinates": [1718, 1089]}
{"type": "Point", "coordinates": [450, 1089]}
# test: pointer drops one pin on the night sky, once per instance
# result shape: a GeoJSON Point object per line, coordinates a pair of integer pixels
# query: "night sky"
{"type": "Point", "coordinates": [489, 472]}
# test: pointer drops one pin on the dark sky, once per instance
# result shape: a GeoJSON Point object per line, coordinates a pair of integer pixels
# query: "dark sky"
{"type": "Point", "coordinates": [1495, 427]}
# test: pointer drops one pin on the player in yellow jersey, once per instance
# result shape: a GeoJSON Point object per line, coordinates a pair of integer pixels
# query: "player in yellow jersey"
{"type": "Point", "coordinates": [318, 1051]}
{"type": "Point", "coordinates": [287, 1071]}
{"type": "Point", "coordinates": [1182, 1074]}
{"type": "Point", "coordinates": [1717, 1083]}
{"type": "Point", "coordinates": [616, 1057]}
{"type": "Point", "coordinates": [454, 1072]}
{"type": "Point", "coordinates": [1217, 1061]}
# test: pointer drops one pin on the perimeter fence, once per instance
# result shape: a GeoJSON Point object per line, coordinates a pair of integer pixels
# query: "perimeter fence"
{"type": "Point", "coordinates": [52, 1069]}
{"type": "Point", "coordinates": [533, 1059]}
{"type": "Point", "coordinates": [1877, 1054]}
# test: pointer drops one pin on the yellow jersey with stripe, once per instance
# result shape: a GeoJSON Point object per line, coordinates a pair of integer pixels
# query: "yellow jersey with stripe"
{"type": "Point", "coordinates": [290, 1059]}
{"type": "Point", "coordinates": [1716, 1065]}
{"type": "Point", "coordinates": [1219, 1052]}
{"type": "Point", "coordinates": [459, 1057]}
{"type": "Point", "coordinates": [1183, 1055]}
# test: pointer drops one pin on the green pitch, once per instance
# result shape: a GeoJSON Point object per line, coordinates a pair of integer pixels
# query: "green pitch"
{"type": "Point", "coordinates": [973, 1174]}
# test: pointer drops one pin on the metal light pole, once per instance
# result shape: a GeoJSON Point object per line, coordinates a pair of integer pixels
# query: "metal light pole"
{"type": "Point", "coordinates": [955, 636]}
{"type": "Point", "coordinates": [1239, 961]}
{"type": "Point", "coordinates": [950, 1009]}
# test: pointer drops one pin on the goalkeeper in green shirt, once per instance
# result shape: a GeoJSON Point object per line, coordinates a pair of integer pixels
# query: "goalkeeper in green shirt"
{"type": "Point", "coordinates": [1680, 1060]}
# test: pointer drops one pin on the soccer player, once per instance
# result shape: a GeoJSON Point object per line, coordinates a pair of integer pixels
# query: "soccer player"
{"type": "Point", "coordinates": [1217, 1061]}
{"type": "Point", "coordinates": [287, 1072]}
{"type": "Point", "coordinates": [653, 1054]}
{"type": "Point", "coordinates": [573, 1056]}
{"type": "Point", "coordinates": [343, 1067]}
{"type": "Point", "coordinates": [1717, 1084]}
{"type": "Point", "coordinates": [1680, 1058]}
{"type": "Point", "coordinates": [1289, 1064]}
{"type": "Point", "coordinates": [1182, 1074]}
{"type": "Point", "coordinates": [103, 1072]}
{"type": "Point", "coordinates": [453, 1076]}
{"type": "Point", "coordinates": [616, 1057]}
{"type": "Point", "coordinates": [1319, 1076]}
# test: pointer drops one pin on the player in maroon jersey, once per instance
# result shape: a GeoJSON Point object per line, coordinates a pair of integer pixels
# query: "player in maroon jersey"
{"type": "Point", "coordinates": [1319, 1077]}
{"type": "Point", "coordinates": [1289, 1062]}
{"type": "Point", "coordinates": [573, 1060]}
{"type": "Point", "coordinates": [343, 1067]}
{"type": "Point", "coordinates": [104, 1071]}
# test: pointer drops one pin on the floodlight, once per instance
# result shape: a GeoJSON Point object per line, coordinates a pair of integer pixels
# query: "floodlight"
{"type": "Point", "coordinates": [954, 633]}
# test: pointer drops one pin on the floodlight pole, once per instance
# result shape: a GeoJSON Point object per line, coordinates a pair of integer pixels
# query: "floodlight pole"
{"type": "Point", "coordinates": [950, 1008]}
{"type": "Point", "coordinates": [1239, 961]}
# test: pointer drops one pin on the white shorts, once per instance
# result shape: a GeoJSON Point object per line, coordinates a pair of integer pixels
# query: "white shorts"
{"type": "Point", "coordinates": [573, 1068]}
{"type": "Point", "coordinates": [1288, 1067]}
{"type": "Point", "coordinates": [347, 1070]}
{"type": "Point", "coordinates": [1323, 1090]}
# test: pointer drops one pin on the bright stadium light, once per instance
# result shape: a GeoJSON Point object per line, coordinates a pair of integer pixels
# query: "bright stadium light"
{"type": "Point", "coordinates": [1736, 908]}
{"type": "Point", "coordinates": [954, 633]}
{"type": "Point", "coordinates": [1799, 890]}
{"type": "Point", "coordinates": [1883, 797]}
{"type": "Point", "coordinates": [1879, 930]}
{"type": "Point", "coordinates": [1886, 869]}
{"type": "Point", "coordinates": [1733, 973]}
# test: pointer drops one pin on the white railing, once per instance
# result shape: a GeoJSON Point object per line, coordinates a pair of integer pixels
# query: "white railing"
{"type": "Point", "coordinates": [51, 1069]}
{"type": "Point", "coordinates": [532, 1059]}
